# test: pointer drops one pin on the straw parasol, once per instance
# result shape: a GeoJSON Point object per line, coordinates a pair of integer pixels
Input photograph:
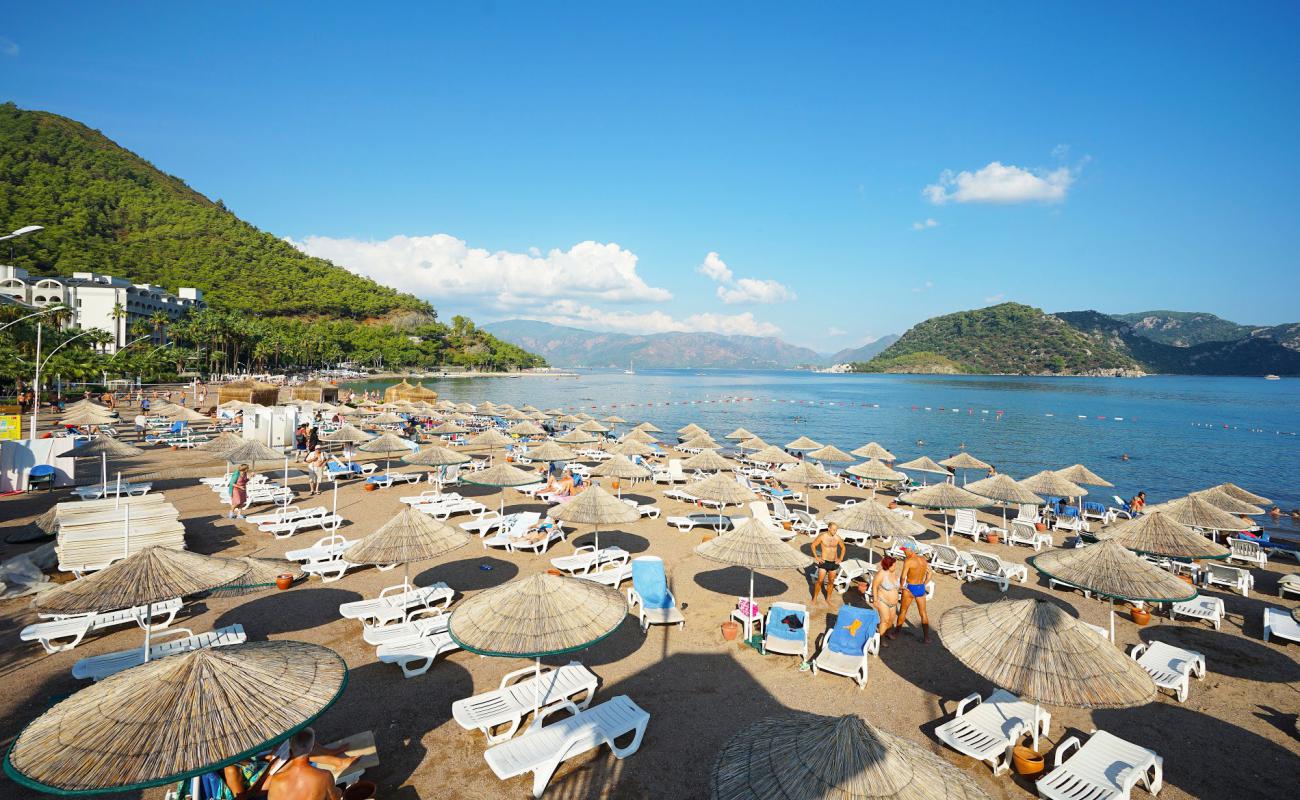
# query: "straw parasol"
{"type": "Point", "coordinates": [871, 518]}
{"type": "Point", "coordinates": [87, 416]}
{"type": "Point", "coordinates": [739, 435]}
{"type": "Point", "coordinates": [771, 454]}
{"type": "Point", "coordinates": [1198, 513]}
{"type": "Point", "coordinates": [1233, 490]}
{"type": "Point", "coordinates": [754, 546]}
{"type": "Point", "coordinates": [752, 444]}
{"type": "Point", "coordinates": [386, 443]}
{"type": "Point", "coordinates": [633, 448]}
{"type": "Point", "coordinates": [923, 464]}
{"type": "Point", "coordinates": [594, 506]}
{"type": "Point", "coordinates": [1226, 502]}
{"type": "Point", "coordinates": [649, 427]}
{"type": "Point", "coordinates": [542, 615]}
{"type": "Point", "coordinates": [803, 756]}
{"type": "Point", "coordinates": [1035, 650]}
{"type": "Point", "coordinates": [250, 452]}
{"type": "Point", "coordinates": [964, 461]}
{"type": "Point", "coordinates": [707, 461]}
{"type": "Point", "coordinates": [148, 576]}
{"type": "Point", "coordinates": [1003, 489]}
{"type": "Point", "coordinates": [691, 429]}
{"type": "Point", "coordinates": [875, 470]}
{"type": "Point", "coordinates": [621, 468]}
{"type": "Point", "coordinates": [177, 718]}
{"type": "Point", "coordinates": [805, 473]}
{"type": "Point", "coordinates": [1109, 569]}
{"type": "Point", "coordinates": [448, 429]}
{"type": "Point", "coordinates": [873, 450]}
{"type": "Point", "coordinates": [944, 496]}
{"type": "Point", "coordinates": [803, 443]}
{"type": "Point", "coordinates": [1083, 476]}
{"type": "Point", "coordinates": [593, 427]}
{"type": "Point", "coordinates": [408, 537]}
{"type": "Point", "coordinates": [220, 443]}
{"type": "Point", "coordinates": [1155, 533]}
{"type": "Point", "coordinates": [502, 476]}
{"type": "Point", "coordinates": [526, 428]}
{"type": "Point", "coordinates": [831, 455]}
{"type": "Point", "coordinates": [184, 414]}
{"type": "Point", "coordinates": [1050, 483]}
{"type": "Point", "coordinates": [261, 576]}
{"type": "Point", "coordinates": [388, 418]}
{"type": "Point", "coordinates": [614, 419]}
{"type": "Point", "coordinates": [639, 436]}
{"type": "Point", "coordinates": [432, 455]}
{"type": "Point", "coordinates": [721, 488]}
{"type": "Point", "coordinates": [488, 440]}
{"type": "Point", "coordinates": [569, 419]}
{"type": "Point", "coordinates": [105, 446]}
{"type": "Point", "coordinates": [704, 442]}
{"type": "Point", "coordinates": [550, 451]}
{"type": "Point", "coordinates": [576, 437]}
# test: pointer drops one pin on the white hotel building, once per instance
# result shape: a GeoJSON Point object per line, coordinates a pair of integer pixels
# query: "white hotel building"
{"type": "Point", "coordinates": [92, 298]}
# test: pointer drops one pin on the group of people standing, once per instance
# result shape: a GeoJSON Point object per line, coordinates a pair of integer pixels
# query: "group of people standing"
{"type": "Point", "coordinates": [896, 585]}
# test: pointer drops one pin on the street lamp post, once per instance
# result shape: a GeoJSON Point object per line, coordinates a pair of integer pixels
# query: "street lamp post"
{"type": "Point", "coordinates": [36, 406]}
{"type": "Point", "coordinates": [23, 231]}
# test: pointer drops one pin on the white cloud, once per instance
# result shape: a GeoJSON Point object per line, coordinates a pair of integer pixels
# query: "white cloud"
{"type": "Point", "coordinates": [1001, 183]}
{"type": "Point", "coordinates": [834, 331]}
{"type": "Point", "coordinates": [442, 266]}
{"type": "Point", "coordinates": [581, 315]}
{"type": "Point", "coordinates": [1061, 152]}
{"type": "Point", "coordinates": [8, 47]}
{"type": "Point", "coordinates": [925, 287]}
{"type": "Point", "coordinates": [732, 290]}
{"type": "Point", "coordinates": [994, 299]}
{"type": "Point", "coordinates": [925, 224]}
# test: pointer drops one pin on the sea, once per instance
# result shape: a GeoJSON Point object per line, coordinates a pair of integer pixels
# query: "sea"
{"type": "Point", "coordinates": [1179, 433]}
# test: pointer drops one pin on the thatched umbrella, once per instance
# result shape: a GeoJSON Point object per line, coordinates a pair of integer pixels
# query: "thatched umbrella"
{"type": "Point", "coordinates": [488, 440]}
{"type": "Point", "coordinates": [621, 468]}
{"type": "Point", "coordinates": [875, 470]}
{"type": "Point", "coordinates": [388, 418]}
{"type": "Point", "coordinates": [1156, 534]}
{"type": "Point", "coordinates": [1241, 494]}
{"type": "Point", "coordinates": [701, 443]}
{"type": "Point", "coordinates": [803, 443]}
{"type": "Point", "coordinates": [177, 718]}
{"type": "Point", "coordinates": [148, 576]}
{"type": "Point", "coordinates": [871, 518]}
{"type": "Point", "coordinates": [248, 451]}
{"type": "Point", "coordinates": [408, 537]}
{"type": "Point", "coordinates": [963, 462]}
{"type": "Point", "coordinates": [576, 437]}
{"type": "Point", "coordinates": [691, 429]}
{"type": "Point", "coordinates": [550, 451]}
{"type": "Point", "coordinates": [739, 435]}
{"type": "Point", "coordinates": [526, 428]}
{"type": "Point", "coordinates": [220, 443]}
{"type": "Point", "coordinates": [754, 443]}
{"type": "Point", "coordinates": [1051, 483]}
{"type": "Point", "coordinates": [1198, 513]}
{"type": "Point", "coordinates": [594, 506]}
{"type": "Point", "coordinates": [387, 443]}
{"type": "Point", "coordinates": [614, 419]}
{"type": "Point", "coordinates": [569, 419]}
{"type": "Point", "coordinates": [542, 615]}
{"type": "Point", "coordinates": [502, 476]}
{"type": "Point", "coordinates": [754, 546]}
{"type": "Point", "coordinates": [1003, 489]}
{"type": "Point", "coordinates": [448, 428]}
{"type": "Point", "coordinates": [1226, 502]}
{"type": "Point", "coordinates": [873, 450]}
{"type": "Point", "coordinates": [944, 496]}
{"type": "Point", "coordinates": [433, 455]}
{"type": "Point", "coordinates": [649, 427]}
{"type": "Point", "coordinates": [105, 446]}
{"type": "Point", "coordinates": [593, 427]}
{"type": "Point", "coordinates": [721, 488]}
{"type": "Point", "coordinates": [1110, 570]}
{"type": "Point", "coordinates": [631, 448]}
{"type": "Point", "coordinates": [707, 461]}
{"type": "Point", "coordinates": [831, 454]}
{"type": "Point", "coordinates": [805, 473]}
{"type": "Point", "coordinates": [261, 576]}
{"type": "Point", "coordinates": [1038, 652]}
{"type": "Point", "coordinates": [1083, 476]}
{"type": "Point", "coordinates": [771, 454]}
{"type": "Point", "coordinates": [802, 756]}
{"type": "Point", "coordinates": [88, 416]}
{"type": "Point", "coordinates": [639, 436]}
{"type": "Point", "coordinates": [184, 414]}
{"type": "Point", "coordinates": [924, 464]}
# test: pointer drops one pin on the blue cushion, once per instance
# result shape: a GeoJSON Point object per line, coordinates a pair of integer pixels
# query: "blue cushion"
{"type": "Point", "coordinates": [853, 628]}
{"type": "Point", "coordinates": [649, 581]}
{"type": "Point", "coordinates": [778, 629]}
{"type": "Point", "coordinates": [41, 471]}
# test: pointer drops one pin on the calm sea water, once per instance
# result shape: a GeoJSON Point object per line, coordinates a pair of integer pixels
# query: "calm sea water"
{"type": "Point", "coordinates": [1180, 433]}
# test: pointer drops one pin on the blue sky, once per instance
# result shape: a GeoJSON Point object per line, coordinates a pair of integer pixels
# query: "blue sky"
{"type": "Point", "coordinates": [580, 163]}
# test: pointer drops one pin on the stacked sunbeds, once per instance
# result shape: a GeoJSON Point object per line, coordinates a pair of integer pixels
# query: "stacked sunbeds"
{"type": "Point", "coordinates": [92, 534]}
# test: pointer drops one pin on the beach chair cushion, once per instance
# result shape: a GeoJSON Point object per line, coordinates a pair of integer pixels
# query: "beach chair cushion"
{"type": "Point", "coordinates": [649, 581]}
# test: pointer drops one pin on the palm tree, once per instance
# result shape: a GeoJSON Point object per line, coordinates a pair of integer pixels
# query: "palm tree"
{"type": "Point", "coordinates": [160, 321]}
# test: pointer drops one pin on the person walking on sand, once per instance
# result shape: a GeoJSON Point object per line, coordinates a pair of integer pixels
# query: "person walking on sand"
{"type": "Point", "coordinates": [238, 488]}
{"type": "Point", "coordinates": [885, 589]}
{"type": "Point", "coordinates": [916, 574]}
{"type": "Point", "coordinates": [828, 551]}
{"type": "Point", "coordinates": [315, 464]}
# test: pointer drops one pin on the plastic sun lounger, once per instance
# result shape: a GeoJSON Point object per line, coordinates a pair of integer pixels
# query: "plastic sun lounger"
{"type": "Point", "coordinates": [423, 621]}
{"type": "Point", "coordinates": [444, 510]}
{"type": "Point", "coordinates": [520, 693]}
{"type": "Point", "coordinates": [99, 491]}
{"type": "Point", "coordinates": [1200, 607]}
{"type": "Point", "coordinates": [493, 520]}
{"type": "Point", "coordinates": [650, 596]}
{"type": "Point", "coordinates": [645, 509]}
{"type": "Point", "coordinates": [284, 530]}
{"type": "Point", "coordinates": [900, 543]}
{"type": "Point", "coordinates": [543, 747]}
{"type": "Point", "coordinates": [611, 573]}
{"type": "Point", "coordinates": [287, 514]}
{"type": "Point", "coordinates": [851, 569]}
{"type": "Point", "coordinates": [586, 558]}
{"type": "Point", "coordinates": [718, 522]}
{"type": "Point", "coordinates": [394, 602]}
{"type": "Point", "coordinates": [1234, 578]}
{"type": "Point", "coordinates": [1278, 622]}
{"type": "Point", "coordinates": [1248, 552]}
{"type": "Point", "coordinates": [101, 666]}
{"type": "Point", "coordinates": [1026, 534]}
{"type": "Point", "coordinates": [74, 629]}
{"type": "Point", "coordinates": [1106, 768]}
{"type": "Point", "coordinates": [965, 524]}
{"type": "Point", "coordinates": [987, 730]}
{"type": "Point", "coordinates": [850, 666]}
{"type": "Point", "coordinates": [429, 496]}
{"type": "Point", "coordinates": [781, 639]}
{"type": "Point", "coordinates": [1169, 666]}
{"type": "Point", "coordinates": [415, 656]}
{"type": "Point", "coordinates": [950, 559]}
{"type": "Point", "coordinates": [325, 549]}
{"type": "Point", "coordinates": [989, 567]}
{"type": "Point", "coordinates": [1288, 584]}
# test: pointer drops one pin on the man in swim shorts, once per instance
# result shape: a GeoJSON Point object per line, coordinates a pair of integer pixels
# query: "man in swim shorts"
{"type": "Point", "coordinates": [916, 574]}
{"type": "Point", "coordinates": [828, 549]}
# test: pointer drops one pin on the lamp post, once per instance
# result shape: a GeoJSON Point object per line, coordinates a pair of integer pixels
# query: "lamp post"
{"type": "Point", "coordinates": [36, 406]}
{"type": "Point", "coordinates": [23, 231]}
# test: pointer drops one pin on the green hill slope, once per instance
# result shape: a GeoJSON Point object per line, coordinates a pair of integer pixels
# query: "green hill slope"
{"type": "Point", "coordinates": [1009, 338]}
{"type": "Point", "coordinates": [1183, 328]}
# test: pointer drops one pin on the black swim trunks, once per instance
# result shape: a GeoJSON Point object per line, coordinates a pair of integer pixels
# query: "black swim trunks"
{"type": "Point", "coordinates": [829, 566]}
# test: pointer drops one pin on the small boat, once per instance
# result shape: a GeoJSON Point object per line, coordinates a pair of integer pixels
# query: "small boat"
{"type": "Point", "coordinates": [629, 370]}
{"type": "Point", "coordinates": [1272, 378]}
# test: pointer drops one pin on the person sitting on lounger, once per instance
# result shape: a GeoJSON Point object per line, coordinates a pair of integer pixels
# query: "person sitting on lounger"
{"type": "Point", "coordinates": [916, 574]}
{"type": "Point", "coordinates": [301, 778]}
{"type": "Point", "coordinates": [1138, 503]}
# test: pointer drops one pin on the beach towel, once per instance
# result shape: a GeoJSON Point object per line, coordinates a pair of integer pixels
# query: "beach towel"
{"type": "Point", "coordinates": [649, 581]}
{"type": "Point", "coordinates": [853, 628]}
{"type": "Point", "coordinates": [786, 623]}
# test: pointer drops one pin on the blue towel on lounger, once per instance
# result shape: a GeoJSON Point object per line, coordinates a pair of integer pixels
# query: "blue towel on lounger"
{"type": "Point", "coordinates": [649, 581]}
{"type": "Point", "coordinates": [854, 627]}
{"type": "Point", "coordinates": [778, 628]}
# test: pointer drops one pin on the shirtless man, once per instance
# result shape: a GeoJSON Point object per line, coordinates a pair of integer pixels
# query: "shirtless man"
{"type": "Point", "coordinates": [916, 574]}
{"type": "Point", "coordinates": [828, 550]}
{"type": "Point", "coordinates": [299, 779]}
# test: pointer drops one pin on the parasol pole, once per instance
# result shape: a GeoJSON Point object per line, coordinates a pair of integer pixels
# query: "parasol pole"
{"type": "Point", "coordinates": [103, 471]}
{"type": "Point", "coordinates": [117, 493]}
{"type": "Point", "coordinates": [148, 628]}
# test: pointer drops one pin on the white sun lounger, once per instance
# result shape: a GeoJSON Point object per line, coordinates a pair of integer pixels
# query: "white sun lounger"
{"type": "Point", "coordinates": [1025, 533]}
{"type": "Point", "coordinates": [325, 549]}
{"type": "Point", "coordinates": [1234, 578]}
{"type": "Point", "coordinates": [900, 543]}
{"type": "Point", "coordinates": [543, 747]}
{"type": "Point", "coordinates": [386, 479]}
{"type": "Point", "coordinates": [101, 666]}
{"type": "Point", "coordinates": [1169, 666]}
{"type": "Point", "coordinates": [611, 573]}
{"type": "Point", "coordinates": [1200, 607]}
{"type": "Point", "coordinates": [851, 569]}
{"type": "Point", "coordinates": [423, 621]}
{"type": "Point", "coordinates": [781, 646]}
{"type": "Point", "coordinates": [99, 491]}
{"type": "Point", "coordinates": [673, 474]}
{"type": "Point", "coordinates": [521, 692]}
{"type": "Point", "coordinates": [287, 514]}
{"type": "Point", "coordinates": [394, 602]}
{"type": "Point", "coordinates": [512, 538]}
{"type": "Point", "coordinates": [965, 524]}
{"type": "Point", "coordinates": [430, 496]}
{"type": "Point", "coordinates": [1278, 622]}
{"type": "Point", "coordinates": [804, 522]}
{"type": "Point", "coordinates": [854, 667]}
{"type": "Point", "coordinates": [288, 528]}
{"type": "Point", "coordinates": [950, 559]}
{"type": "Point", "coordinates": [718, 522]}
{"type": "Point", "coordinates": [586, 558]}
{"type": "Point", "coordinates": [655, 585]}
{"type": "Point", "coordinates": [1106, 768]}
{"type": "Point", "coordinates": [1247, 552]}
{"type": "Point", "coordinates": [416, 655]}
{"type": "Point", "coordinates": [492, 520]}
{"type": "Point", "coordinates": [644, 509]}
{"type": "Point", "coordinates": [989, 567]}
{"type": "Point", "coordinates": [74, 628]}
{"type": "Point", "coordinates": [989, 729]}
{"type": "Point", "coordinates": [448, 508]}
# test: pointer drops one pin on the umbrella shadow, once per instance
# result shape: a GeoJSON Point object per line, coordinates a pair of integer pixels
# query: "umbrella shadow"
{"type": "Point", "coordinates": [734, 581]}
{"type": "Point", "coordinates": [1288, 723]}
{"type": "Point", "coordinates": [1199, 765]}
{"type": "Point", "coordinates": [622, 643]}
{"type": "Point", "coordinates": [467, 574]}
{"type": "Point", "coordinates": [277, 612]}
{"type": "Point", "coordinates": [1227, 654]}
{"type": "Point", "coordinates": [204, 535]}
{"type": "Point", "coordinates": [988, 592]}
{"type": "Point", "coordinates": [630, 542]}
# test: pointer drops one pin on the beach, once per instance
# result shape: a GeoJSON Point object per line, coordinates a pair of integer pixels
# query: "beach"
{"type": "Point", "coordinates": [1235, 735]}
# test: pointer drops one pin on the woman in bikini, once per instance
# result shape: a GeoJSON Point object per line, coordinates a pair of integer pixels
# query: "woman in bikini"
{"type": "Point", "coordinates": [885, 587]}
{"type": "Point", "coordinates": [828, 549]}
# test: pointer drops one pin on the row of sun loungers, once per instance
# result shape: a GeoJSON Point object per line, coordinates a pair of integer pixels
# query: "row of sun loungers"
{"type": "Point", "coordinates": [102, 666]}
{"type": "Point", "coordinates": [66, 632]}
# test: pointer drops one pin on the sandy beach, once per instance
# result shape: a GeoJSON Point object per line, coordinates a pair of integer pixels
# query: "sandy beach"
{"type": "Point", "coordinates": [1234, 737]}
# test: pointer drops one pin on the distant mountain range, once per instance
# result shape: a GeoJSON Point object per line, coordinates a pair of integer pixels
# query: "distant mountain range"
{"type": "Point", "coordinates": [573, 347]}
{"type": "Point", "coordinates": [866, 352]}
{"type": "Point", "coordinates": [1012, 338]}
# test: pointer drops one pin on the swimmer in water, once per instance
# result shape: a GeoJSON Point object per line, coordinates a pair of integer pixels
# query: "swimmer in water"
{"type": "Point", "coordinates": [920, 443]}
{"type": "Point", "coordinates": [1124, 457]}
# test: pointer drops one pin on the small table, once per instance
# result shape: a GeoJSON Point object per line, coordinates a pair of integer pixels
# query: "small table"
{"type": "Point", "coordinates": [749, 623]}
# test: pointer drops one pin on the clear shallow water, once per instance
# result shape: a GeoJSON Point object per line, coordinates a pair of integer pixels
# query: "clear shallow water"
{"type": "Point", "coordinates": [1181, 433]}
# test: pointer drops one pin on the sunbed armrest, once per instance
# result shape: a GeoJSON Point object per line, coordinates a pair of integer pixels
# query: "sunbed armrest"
{"type": "Point", "coordinates": [435, 611]}
{"type": "Point", "coordinates": [560, 705]}
{"type": "Point", "coordinates": [402, 587]}
{"type": "Point", "coordinates": [511, 677]}
{"type": "Point", "coordinates": [1137, 651]}
{"type": "Point", "coordinates": [971, 700]}
{"type": "Point", "coordinates": [1065, 747]}
{"type": "Point", "coordinates": [170, 633]}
